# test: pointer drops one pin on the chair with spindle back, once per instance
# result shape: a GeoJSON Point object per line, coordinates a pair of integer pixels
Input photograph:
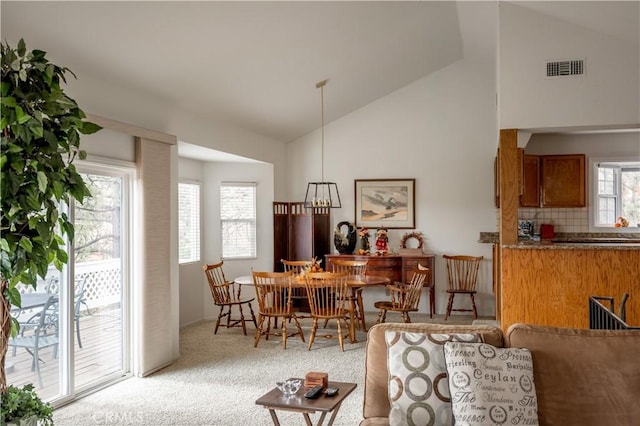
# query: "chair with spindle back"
{"type": "Point", "coordinates": [404, 298]}
{"type": "Point", "coordinates": [357, 270]}
{"type": "Point", "coordinates": [225, 296]}
{"type": "Point", "coordinates": [462, 277]}
{"type": "Point", "coordinates": [299, 299]}
{"type": "Point", "coordinates": [273, 290]}
{"type": "Point", "coordinates": [328, 293]}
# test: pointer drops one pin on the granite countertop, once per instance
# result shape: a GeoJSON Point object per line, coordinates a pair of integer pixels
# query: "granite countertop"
{"type": "Point", "coordinates": [583, 240]}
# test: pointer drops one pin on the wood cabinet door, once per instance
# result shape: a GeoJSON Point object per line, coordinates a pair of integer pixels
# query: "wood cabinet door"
{"type": "Point", "coordinates": [563, 181]}
{"type": "Point", "coordinates": [530, 196]}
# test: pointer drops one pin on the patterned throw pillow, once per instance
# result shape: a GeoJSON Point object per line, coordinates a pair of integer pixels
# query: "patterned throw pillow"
{"type": "Point", "coordinates": [418, 387]}
{"type": "Point", "coordinates": [491, 385]}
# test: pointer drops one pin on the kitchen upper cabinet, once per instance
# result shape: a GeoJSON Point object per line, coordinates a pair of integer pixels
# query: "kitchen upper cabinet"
{"type": "Point", "coordinates": [530, 194]}
{"type": "Point", "coordinates": [528, 179]}
{"type": "Point", "coordinates": [563, 180]}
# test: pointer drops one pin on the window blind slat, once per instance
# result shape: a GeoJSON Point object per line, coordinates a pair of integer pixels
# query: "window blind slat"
{"type": "Point", "coordinates": [188, 222]}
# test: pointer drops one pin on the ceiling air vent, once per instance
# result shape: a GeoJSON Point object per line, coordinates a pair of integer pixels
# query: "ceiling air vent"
{"type": "Point", "coordinates": [564, 68]}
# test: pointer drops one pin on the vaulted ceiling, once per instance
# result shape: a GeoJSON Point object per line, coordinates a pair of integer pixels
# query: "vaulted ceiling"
{"type": "Point", "coordinates": [256, 64]}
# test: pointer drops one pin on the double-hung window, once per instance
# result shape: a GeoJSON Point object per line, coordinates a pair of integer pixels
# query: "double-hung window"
{"type": "Point", "coordinates": [238, 219]}
{"type": "Point", "coordinates": [618, 193]}
{"type": "Point", "coordinates": [188, 222]}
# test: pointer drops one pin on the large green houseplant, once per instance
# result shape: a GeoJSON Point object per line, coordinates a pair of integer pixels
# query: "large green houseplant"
{"type": "Point", "coordinates": [40, 128]}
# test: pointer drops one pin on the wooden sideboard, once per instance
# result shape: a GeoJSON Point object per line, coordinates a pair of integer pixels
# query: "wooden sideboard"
{"type": "Point", "coordinates": [396, 268]}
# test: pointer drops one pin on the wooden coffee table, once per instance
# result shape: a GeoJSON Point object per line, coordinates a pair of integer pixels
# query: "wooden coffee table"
{"type": "Point", "coordinates": [275, 400]}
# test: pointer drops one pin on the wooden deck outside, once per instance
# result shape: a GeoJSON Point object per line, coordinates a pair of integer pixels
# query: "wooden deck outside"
{"type": "Point", "coordinates": [100, 355]}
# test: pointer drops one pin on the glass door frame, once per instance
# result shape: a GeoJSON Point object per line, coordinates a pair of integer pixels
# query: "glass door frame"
{"type": "Point", "coordinates": [67, 388]}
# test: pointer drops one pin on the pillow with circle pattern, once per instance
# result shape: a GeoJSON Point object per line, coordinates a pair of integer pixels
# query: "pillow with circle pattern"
{"type": "Point", "coordinates": [418, 386]}
{"type": "Point", "coordinates": [491, 385]}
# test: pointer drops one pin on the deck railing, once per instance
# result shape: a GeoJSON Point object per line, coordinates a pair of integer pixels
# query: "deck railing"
{"type": "Point", "coordinates": [602, 314]}
{"type": "Point", "coordinates": [102, 286]}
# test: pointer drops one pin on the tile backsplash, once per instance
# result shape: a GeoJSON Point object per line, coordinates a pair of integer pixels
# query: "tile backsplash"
{"type": "Point", "coordinates": [562, 219]}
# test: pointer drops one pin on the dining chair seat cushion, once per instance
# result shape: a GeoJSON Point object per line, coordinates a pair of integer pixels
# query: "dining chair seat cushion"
{"type": "Point", "coordinates": [417, 386]}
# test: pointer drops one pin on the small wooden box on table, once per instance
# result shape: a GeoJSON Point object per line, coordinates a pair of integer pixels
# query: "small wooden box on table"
{"type": "Point", "coordinates": [275, 400]}
{"type": "Point", "coordinates": [396, 268]}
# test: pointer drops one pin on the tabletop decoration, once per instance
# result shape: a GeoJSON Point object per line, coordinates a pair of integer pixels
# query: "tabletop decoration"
{"type": "Point", "coordinates": [345, 242]}
{"type": "Point", "coordinates": [289, 387]}
{"type": "Point", "coordinates": [415, 235]}
{"type": "Point", "coordinates": [382, 241]}
{"type": "Point", "coordinates": [314, 266]}
{"type": "Point", "coordinates": [363, 246]}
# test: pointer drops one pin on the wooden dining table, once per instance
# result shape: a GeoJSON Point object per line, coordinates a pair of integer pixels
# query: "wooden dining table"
{"type": "Point", "coordinates": [355, 283]}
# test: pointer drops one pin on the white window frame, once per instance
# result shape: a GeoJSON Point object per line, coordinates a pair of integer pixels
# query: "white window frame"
{"type": "Point", "coordinates": [250, 222]}
{"type": "Point", "coordinates": [196, 217]}
{"type": "Point", "coordinates": [594, 226]}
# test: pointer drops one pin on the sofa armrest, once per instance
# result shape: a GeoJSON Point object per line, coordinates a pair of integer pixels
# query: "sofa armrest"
{"type": "Point", "coordinates": [583, 377]}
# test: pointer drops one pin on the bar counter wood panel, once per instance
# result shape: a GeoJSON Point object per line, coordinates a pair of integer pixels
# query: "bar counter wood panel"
{"type": "Point", "coordinates": [552, 287]}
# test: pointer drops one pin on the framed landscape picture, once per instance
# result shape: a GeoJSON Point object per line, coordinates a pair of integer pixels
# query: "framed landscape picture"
{"type": "Point", "coordinates": [385, 203]}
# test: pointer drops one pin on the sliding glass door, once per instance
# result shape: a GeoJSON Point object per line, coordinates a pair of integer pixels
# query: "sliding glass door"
{"type": "Point", "coordinates": [100, 284]}
{"type": "Point", "coordinates": [75, 325]}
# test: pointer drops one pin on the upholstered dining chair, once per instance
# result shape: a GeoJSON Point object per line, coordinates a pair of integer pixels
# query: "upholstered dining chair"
{"type": "Point", "coordinates": [328, 294]}
{"type": "Point", "coordinates": [404, 298]}
{"type": "Point", "coordinates": [225, 296]}
{"type": "Point", "coordinates": [356, 270]}
{"type": "Point", "coordinates": [462, 277]}
{"type": "Point", "coordinates": [299, 299]}
{"type": "Point", "coordinates": [273, 290]}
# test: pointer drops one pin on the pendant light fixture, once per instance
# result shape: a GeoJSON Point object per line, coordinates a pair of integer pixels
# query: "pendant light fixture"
{"type": "Point", "coordinates": [322, 194]}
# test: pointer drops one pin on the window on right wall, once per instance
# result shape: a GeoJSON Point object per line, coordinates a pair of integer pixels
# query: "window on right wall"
{"type": "Point", "coordinates": [616, 195]}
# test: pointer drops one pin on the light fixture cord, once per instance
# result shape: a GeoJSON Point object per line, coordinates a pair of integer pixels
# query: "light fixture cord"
{"type": "Point", "coordinates": [321, 86]}
{"type": "Point", "coordinates": [322, 128]}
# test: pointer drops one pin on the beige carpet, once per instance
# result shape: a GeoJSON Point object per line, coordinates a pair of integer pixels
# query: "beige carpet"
{"type": "Point", "coordinates": [218, 378]}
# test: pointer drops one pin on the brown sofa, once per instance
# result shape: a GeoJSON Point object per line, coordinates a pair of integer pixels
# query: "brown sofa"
{"type": "Point", "coordinates": [582, 377]}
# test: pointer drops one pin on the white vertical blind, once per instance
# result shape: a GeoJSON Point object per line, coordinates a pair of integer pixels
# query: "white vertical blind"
{"type": "Point", "coordinates": [153, 321]}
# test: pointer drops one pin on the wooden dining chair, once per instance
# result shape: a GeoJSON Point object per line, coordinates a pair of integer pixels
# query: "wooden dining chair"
{"type": "Point", "coordinates": [462, 277]}
{"type": "Point", "coordinates": [404, 298]}
{"type": "Point", "coordinates": [299, 299]}
{"type": "Point", "coordinates": [225, 296]}
{"type": "Point", "coordinates": [357, 270]}
{"type": "Point", "coordinates": [273, 290]}
{"type": "Point", "coordinates": [328, 293]}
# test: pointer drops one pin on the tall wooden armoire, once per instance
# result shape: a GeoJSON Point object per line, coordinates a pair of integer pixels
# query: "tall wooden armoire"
{"type": "Point", "coordinates": [300, 233]}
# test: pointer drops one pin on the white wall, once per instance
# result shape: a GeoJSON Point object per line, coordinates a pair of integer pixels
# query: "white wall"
{"type": "Point", "coordinates": [440, 130]}
{"type": "Point", "coordinates": [190, 274]}
{"type": "Point", "coordinates": [213, 174]}
{"type": "Point", "coordinates": [592, 145]}
{"type": "Point", "coordinates": [144, 110]}
{"type": "Point", "coordinates": [606, 95]}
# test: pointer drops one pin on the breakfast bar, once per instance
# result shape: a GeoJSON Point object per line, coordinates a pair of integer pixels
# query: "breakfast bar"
{"type": "Point", "coordinates": [549, 282]}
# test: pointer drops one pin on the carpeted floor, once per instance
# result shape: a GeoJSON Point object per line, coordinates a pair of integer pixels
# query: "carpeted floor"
{"type": "Point", "coordinates": [218, 378]}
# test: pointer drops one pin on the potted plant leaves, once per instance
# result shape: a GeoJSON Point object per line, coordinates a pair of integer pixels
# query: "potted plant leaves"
{"type": "Point", "coordinates": [40, 129]}
{"type": "Point", "coordinates": [23, 407]}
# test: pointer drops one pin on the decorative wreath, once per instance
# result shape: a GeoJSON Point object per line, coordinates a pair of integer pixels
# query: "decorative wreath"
{"type": "Point", "coordinates": [417, 235]}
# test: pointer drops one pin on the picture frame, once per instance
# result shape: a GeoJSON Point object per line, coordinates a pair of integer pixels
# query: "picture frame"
{"type": "Point", "coordinates": [385, 203]}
